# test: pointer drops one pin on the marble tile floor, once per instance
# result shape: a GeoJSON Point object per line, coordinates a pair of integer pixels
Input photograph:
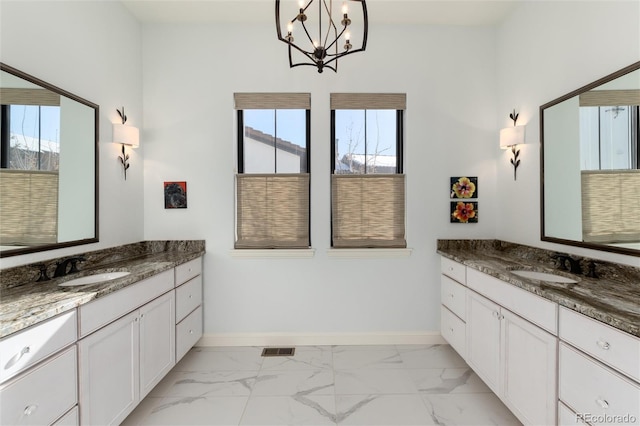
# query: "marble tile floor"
{"type": "Point", "coordinates": [322, 385]}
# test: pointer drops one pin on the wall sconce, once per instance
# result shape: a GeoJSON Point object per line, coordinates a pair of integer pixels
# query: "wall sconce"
{"type": "Point", "coordinates": [125, 135]}
{"type": "Point", "coordinates": [512, 137]}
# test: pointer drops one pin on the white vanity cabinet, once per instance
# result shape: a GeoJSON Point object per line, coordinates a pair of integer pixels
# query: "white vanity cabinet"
{"type": "Point", "coordinates": [188, 319]}
{"type": "Point", "coordinates": [123, 360]}
{"type": "Point", "coordinates": [453, 304]}
{"type": "Point", "coordinates": [39, 372]}
{"type": "Point", "coordinates": [509, 350]}
{"type": "Point", "coordinates": [599, 370]}
{"type": "Point", "coordinates": [507, 335]}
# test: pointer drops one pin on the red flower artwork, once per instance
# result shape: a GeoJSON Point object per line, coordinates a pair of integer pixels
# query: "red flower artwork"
{"type": "Point", "coordinates": [464, 212]}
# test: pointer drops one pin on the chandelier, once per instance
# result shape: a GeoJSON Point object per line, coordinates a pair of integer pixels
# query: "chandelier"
{"type": "Point", "coordinates": [332, 41]}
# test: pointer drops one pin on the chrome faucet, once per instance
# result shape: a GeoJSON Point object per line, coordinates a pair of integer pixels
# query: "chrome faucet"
{"type": "Point", "coordinates": [574, 264]}
{"type": "Point", "coordinates": [63, 265]}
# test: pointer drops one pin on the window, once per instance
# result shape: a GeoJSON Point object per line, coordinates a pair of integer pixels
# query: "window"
{"type": "Point", "coordinates": [367, 182]}
{"type": "Point", "coordinates": [609, 161]}
{"type": "Point", "coordinates": [30, 137]}
{"type": "Point", "coordinates": [272, 183]}
{"type": "Point", "coordinates": [29, 162]}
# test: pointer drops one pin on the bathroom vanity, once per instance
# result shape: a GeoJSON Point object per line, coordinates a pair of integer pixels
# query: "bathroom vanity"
{"type": "Point", "coordinates": [89, 354]}
{"type": "Point", "coordinates": [556, 349]}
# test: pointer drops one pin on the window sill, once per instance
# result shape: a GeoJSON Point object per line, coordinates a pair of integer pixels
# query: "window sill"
{"type": "Point", "coordinates": [369, 253]}
{"type": "Point", "coordinates": [272, 253]}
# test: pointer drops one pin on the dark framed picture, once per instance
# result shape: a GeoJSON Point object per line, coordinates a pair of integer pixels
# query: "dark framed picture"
{"type": "Point", "coordinates": [175, 195]}
{"type": "Point", "coordinates": [463, 187]}
{"type": "Point", "coordinates": [464, 212]}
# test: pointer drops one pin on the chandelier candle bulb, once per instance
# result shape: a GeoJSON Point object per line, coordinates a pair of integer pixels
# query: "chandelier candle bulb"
{"type": "Point", "coordinates": [345, 9]}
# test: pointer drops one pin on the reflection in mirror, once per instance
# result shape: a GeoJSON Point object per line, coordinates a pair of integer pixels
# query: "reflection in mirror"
{"type": "Point", "coordinates": [590, 194]}
{"type": "Point", "coordinates": [48, 164]}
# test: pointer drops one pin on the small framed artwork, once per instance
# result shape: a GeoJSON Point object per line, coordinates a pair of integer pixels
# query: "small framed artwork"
{"type": "Point", "coordinates": [463, 187]}
{"type": "Point", "coordinates": [464, 212]}
{"type": "Point", "coordinates": [175, 195]}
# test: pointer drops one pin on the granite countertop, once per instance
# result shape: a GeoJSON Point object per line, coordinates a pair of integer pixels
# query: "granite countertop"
{"type": "Point", "coordinates": [612, 298]}
{"type": "Point", "coordinates": [23, 304]}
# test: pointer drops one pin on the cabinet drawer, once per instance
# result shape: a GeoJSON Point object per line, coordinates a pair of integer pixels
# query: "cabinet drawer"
{"type": "Point", "coordinates": [536, 309]}
{"type": "Point", "coordinates": [566, 417]}
{"type": "Point", "coordinates": [453, 269]}
{"type": "Point", "coordinates": [453, 296]}
{"type": "Point", "coordinates": [23, 349]}
{"type": "Point", "coordinates": [588, 387]}
{"type": "Point", "coordinates": [111, 307]}
{"type": "Point", "coordinates": [72, 418]}
{"type": "Point", "coordinates": [42, 395]}
{"type": "Point", "coordinates": [611, 346]}
{"type": "Point", "coordinates": [188, 297]}
{"type": "Point", "coordinates": [188, 332]}
{"type": "Point", "coordinates": [453, 330]}
{"type": "Point", "coordinates": [188, 270]}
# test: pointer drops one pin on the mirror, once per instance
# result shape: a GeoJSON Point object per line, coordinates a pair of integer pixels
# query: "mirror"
{"type": "Point", "coordinates": [48, 166]}
{"type": "Point", "coordinates": [590, 165]}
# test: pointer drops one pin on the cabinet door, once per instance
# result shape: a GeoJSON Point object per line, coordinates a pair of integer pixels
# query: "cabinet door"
{"type": "Point", "coordinates": [483, 339]}
{"type": "Point", "coordinates": [109, 372]}
{"type": "Point", "coordinates": [528, 370]}
{"type": "Point", "coordinates": [157, 341]}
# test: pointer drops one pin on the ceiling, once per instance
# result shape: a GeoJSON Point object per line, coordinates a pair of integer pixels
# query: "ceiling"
{"type": "Point", "coordinates": [444, 12]}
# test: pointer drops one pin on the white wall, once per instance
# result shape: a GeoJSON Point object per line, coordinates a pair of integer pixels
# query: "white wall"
{"type": "Point", "coordinates": [91, 49]}
{"type": "Point", "coordinates": [545, 50]}
{"type": "Point", "coordinates": [190, 74]}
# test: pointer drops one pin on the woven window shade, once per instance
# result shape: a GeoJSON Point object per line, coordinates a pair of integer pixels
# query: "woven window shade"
{"type": "Point", "coordinates": [28, 207]}
{"type": "Point", "coordinates": [11, 96]}
{"type": "Point", "coordinates": [397, 101]}
{"type": "Point", "coordinates": [368, 211]}
{"type": "Point", "coordinates": [272, 211]}
{"type": "Point", "coordinates": [272, 100]}
{"type": "Point", "coordinates": [610, 98]}
{"type": "Point", "coordinates": [610, 206]}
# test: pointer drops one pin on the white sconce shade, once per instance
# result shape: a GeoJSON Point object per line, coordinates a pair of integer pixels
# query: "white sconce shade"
{"type": "Point", "coordinates": [126, 135]}
{"type": "Point", "coordinates": [510, 136]}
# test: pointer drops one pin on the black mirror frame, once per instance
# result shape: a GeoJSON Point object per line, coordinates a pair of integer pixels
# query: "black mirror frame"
{"type": "Point", "coordinates": [601, 247]}
{"type": "Point", "coordinates": [96, 108]}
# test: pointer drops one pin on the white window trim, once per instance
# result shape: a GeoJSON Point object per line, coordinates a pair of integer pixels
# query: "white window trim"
{"type": "Point", "coordinates": [368, 253]}
{"type": "Point", "coordinates": [272, 253]}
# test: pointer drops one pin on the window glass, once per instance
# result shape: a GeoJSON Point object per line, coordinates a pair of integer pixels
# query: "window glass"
{"type": "Point", "coordinates": [275, 141]}
{"type": "Point", "coordinates": [34, 137]}
{"type": "Point", "coordinates": [365, 141]}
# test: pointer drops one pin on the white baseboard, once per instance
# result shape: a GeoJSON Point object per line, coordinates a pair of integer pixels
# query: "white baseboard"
{"type": "Point", "coordinates": [320, 339]}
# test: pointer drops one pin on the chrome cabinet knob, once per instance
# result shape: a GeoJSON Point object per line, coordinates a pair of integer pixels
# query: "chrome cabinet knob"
{"type": "Point", "coordinates": [30, 409]}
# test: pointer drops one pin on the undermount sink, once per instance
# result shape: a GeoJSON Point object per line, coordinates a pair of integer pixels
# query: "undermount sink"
{"type": "Point", "coordinates": [544, 276]}
{"type": "Point", "coordinates": [94, 279]}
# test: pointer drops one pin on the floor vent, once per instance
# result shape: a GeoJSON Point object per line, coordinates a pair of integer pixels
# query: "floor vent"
{"type": "Point", "coordinates": [278, 351]}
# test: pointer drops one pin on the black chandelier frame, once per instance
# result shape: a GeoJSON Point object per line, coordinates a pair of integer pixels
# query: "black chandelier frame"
{"type": "Point", "coordinates": [324, 55]}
